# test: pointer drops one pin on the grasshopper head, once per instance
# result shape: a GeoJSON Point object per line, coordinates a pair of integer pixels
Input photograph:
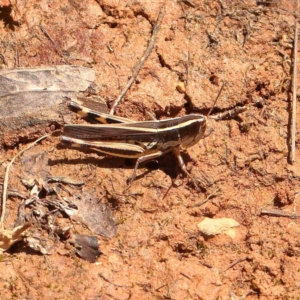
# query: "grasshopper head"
{"type": "Point", "coordinates": [193, 130]}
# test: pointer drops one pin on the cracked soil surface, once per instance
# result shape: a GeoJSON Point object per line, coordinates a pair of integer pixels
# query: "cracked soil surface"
{"type": "Point", "coordinates": [242, 166]}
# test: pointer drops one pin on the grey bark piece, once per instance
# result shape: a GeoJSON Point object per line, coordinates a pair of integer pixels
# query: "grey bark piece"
{"type": "Point", "coordinates": [33, 98]}
{"type": "Point", "coordinates": [98, 216]}
{"type": "Point", "coordinates": [87, 247]}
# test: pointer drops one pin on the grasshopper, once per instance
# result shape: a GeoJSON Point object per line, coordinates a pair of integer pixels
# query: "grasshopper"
{"type": "Point", "coordinates": [142, 140]}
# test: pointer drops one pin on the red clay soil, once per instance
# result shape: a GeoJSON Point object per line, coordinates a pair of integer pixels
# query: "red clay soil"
{"type": "Point", "coordinates": [242, 166]}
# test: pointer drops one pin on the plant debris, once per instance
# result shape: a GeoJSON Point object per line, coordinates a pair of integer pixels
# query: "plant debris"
{"type": "Point", "coordinates": [87, 247]}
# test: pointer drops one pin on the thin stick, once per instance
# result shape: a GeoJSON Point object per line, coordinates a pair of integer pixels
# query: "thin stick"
{"type": "Point", "coordinates": [206, 200]}
{"type": "Point", "coordinates": [235, 262]}
{"type": "Point", "coordinates": [216, 99]}
{"type": "Point", "coordinates": [5, 183]}
{"type": "Point", "coordinates": [109, 281]}
{"type": "Point", "coordinates": [278, 213]}
{"type": "Point", "coordinates": [138, 66]}
{"type": "Point", "coordinates": [187, 69]}
{"type": "Point", "coordinates": [230, 113]}
{"type": "Point", "coordinates": [47, 35]}
{"type": "Point", "coordinates": [294, 104]}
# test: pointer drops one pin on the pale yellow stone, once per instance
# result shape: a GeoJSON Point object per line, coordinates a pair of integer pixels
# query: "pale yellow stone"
{"type": "Point", "coordinates": [217, 226]}
{"type": "Point", "coordinates": [181, 87]}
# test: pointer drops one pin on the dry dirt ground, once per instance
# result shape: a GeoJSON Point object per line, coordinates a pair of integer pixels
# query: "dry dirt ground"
{"type": "Point", "coordinates": [242, 166]}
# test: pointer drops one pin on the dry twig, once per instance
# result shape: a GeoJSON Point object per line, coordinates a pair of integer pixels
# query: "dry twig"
{"type": "Point", "coordinates": [5, 184]}
{"type": "Point", "coordinates": [187, 69]}
{"type": "Point", "coordinates": [294, 105]}
{"type": "Point", "coordinates": [230, 113]}
{"type": "Point", "coordinates": [216, 98]}
{"type": "Point", "coordinates": [109, 281]}
{"type": "Point", "coordinates": [235, 262]}
{"type": "Point", "coordinates": [278, 213]}
{"type": "Point", "coordinates": [206, 200]}
{"type": "Point", "coordinates": [138, 66]}
{"type": "Point", "coordinates": [65, 180]}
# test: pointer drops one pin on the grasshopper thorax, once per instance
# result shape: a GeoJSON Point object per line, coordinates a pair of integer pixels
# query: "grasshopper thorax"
{"type": "Point", "coordinates": [192, 130]}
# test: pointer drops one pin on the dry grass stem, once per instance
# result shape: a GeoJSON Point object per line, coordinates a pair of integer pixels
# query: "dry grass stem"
{"type": "Point", "coordinates": [294, 103]}
{"type": "Point", "coordinates": [5, 184]}
{"type": "Point", "coordinates": [139, 65]}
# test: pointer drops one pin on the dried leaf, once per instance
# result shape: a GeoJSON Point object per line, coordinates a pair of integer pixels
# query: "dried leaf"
{"type": "Point", "coordinates": [97, 216]}
{"type": "Point", "coordinates": [87, 247]}
{"type": "Point", "coordinates": [35, 244]}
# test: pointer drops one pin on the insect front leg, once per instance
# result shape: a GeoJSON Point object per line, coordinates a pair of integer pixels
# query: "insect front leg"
{"type": "Point", "coordinates": [176, 151]}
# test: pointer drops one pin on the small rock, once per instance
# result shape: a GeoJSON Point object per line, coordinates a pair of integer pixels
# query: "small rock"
{"type": "Point", "coordinates": [217, 226]}
{"type": "Point", "coordinates": [181, 87]}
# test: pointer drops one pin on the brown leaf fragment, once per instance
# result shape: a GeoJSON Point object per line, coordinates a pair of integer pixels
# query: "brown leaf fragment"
{"type": "Point", "coordinates": [35, 244]}
{"type": "Point", "coordinates": [34, 165]}
{"type": "Point", "coordinates": [97, 216]}
{"type": "Point", "coordinates": [87, 247]}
